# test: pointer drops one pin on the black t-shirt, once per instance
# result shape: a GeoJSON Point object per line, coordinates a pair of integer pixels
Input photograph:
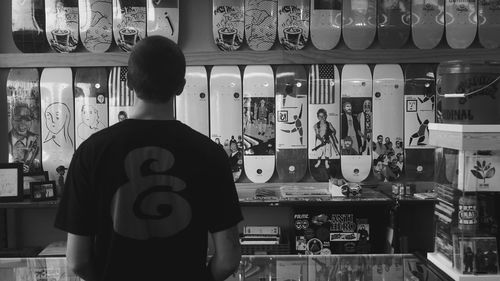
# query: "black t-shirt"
{"type": "Point", "coordinates": [149, 192]}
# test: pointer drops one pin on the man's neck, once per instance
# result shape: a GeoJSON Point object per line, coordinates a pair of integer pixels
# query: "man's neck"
{"type": "Point", "coordinates": [144, 110]}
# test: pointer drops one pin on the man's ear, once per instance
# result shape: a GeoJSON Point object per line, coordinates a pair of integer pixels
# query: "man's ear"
{"type": "Point", "coordinates": [181, 88]}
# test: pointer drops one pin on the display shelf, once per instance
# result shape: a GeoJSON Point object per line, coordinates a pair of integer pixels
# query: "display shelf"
{"type": "Point", "coordinates": [465, 137]}
{"type": "Point", "coordinates": [439, 261]}
{"type": "Point", "coordinates": [28, 204]}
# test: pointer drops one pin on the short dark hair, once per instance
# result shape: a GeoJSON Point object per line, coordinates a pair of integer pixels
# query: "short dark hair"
{"type": "Point", "coordinates": [156, 69]}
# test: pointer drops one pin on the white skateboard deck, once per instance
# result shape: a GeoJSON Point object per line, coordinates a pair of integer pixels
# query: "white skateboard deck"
{"type": "Point", "coordinates": [228, 24]}
{"type": "Point", "coordinates": [163, 18]}
{"type": "Point", "coordinates": [192, 105]}
{"type": "Point", "coordinates": [121, 98]}
{"type": "Point", "coordinates": [461, 23]}
{"type": "Point", "coordinates": [96, 24]}
{"type": "Point", "coordinates": [261, 23]}
{"type": "Point", "coordinates": [129, 23]}
{"type": "Point", "coordinates": [61, 25]}
{"type": "Point", "coordinates": [326, 22]}
{"type": "Point", "coordinates": [359, 23]}
{"type": "Point", "coordinates": [293, 23]}
{"type": "Point", "coordinates": [427, 23]}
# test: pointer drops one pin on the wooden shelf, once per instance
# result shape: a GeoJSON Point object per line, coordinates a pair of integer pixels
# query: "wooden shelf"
{"type": "Point", "coordinates": [465, 137]}
{"type": "Point", "coordinates": [28, 204]}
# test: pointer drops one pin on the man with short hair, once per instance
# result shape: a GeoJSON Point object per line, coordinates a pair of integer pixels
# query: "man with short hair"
{"type": "Point", "coordinates": [141, 195]}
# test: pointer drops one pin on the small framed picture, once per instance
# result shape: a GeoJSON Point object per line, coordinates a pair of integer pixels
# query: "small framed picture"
{"type": "Point", "coordinates": [11, 182]}
{"type": "Point", "coordinates": [43, 191]}
{"type": "Point", "coordinates": [27, 179]}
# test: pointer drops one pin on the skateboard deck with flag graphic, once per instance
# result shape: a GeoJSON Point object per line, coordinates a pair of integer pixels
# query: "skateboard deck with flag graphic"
{"type": "Point", "coordinates": [261, 20]}
{"type": "Point", "coordinates": [291, 122]}
{"type": "Point", "coordinates": [58, 126]}
{"type": "Point", "coordinates": [23, 104]}
{"type": "Point", "coordinates": [228, 24]}
{"type": "Point", "coordinates": [388, 95]}
{"type": "Point", "coordinates": [427, 23]}
{"type": "Point", "coordinates": [225, 114]}
{"type": "Point", "coordinates": [163, 18]}
{"type": "Point", "coordinates": [293, 23]}
{"type": "Point", "coordinates": [258, 123]}
{"type": "Point", "coordinates": [489, 23]}
{"type": "Point", "coordinates": [324, 122]}
{"type": "Point", "coordinates": [359, 23]}
{"type": "Point", "coordinates": [356, 122]}
{"type": "Point", "coordinates": [192, 105]}
{"type": "Point", "coordinates": [121, 98]}
{"type": "Point", "coordinates": [394, 19]}
{"type": "Point", "coordinates": [91, 102]}
{"type": "Point", "coordinates": [61, 28]}
{"type": "Point", "coordinates": [326, 22]}
{"type": "Point", "coordinates": [461, 23]}
{"type": "Point", "coordinates": [96, 24]}
{"type": "Point", "coordinates": [28, 26]}
{"type": "Point", "coordinates": [129, 22]}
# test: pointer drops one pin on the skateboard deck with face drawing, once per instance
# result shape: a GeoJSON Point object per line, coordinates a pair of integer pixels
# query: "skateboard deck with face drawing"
{"type": "Point", "coordinates": [23, 103]}
{"type": "Point", "coordinates": [324, 122]}
{"type": "Point", "coordinates": [28, 26]}
{"type": "Point", "coordinates": [293, 23]}
{"type": "Point", "coordinates": [96, 24]}
{"type": "Point", "coordinates": [427, 23]}
{"type": "Point", "coordinates": [355, 139]}
{"type": "Point", "coordinates": [326, 22]}
{"type": "Point", "coordinates": [461, 23]}
{"type": "Point", "coordinates": [387, 140]}
{"type": "Point", "coordinates": [394, 19]}
{"type": "Point", "coordinates": [258, 123]}
{"type": "Point", "coordinates": [163, 18]}
{"type": "Point", "coordinates": [121, 98]}
{"type": "Point", "coordinates": [291, 122]}
{"type": "Point", "coordinates": [359, 23]}
{"type": "Point", "coordinates": [91, 102]}
{"type": "Point", "coordinates": [489, 23]}
{"type": "Point", "coordinates": [58, 126]}
{"type": "Point", "coordinates": [61, 26]}
{"type": "Point", "coordinates": [225, 114]}
{"type": "Point", "coordinates": [129, 22]}
{"type": "Point", "coordinates": [228, 19]}
{"type": "Point", "coordinates": [192, 105]}
{"type": "Point", "coordinates": [261, 20]}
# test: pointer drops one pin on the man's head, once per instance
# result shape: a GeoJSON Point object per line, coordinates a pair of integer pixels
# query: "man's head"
{"type": "Point", "coordinates": [156, 69]}
{"type": "Point", "coordinates": [380, 138]}
{"type": "Point", "coordinates": [21, 119]}
{"type": "Point", "coordinates": [347, 107]}
{"type": "Point", "coordinates": [348, 142]}
{"type": "Point", "coordinates": [122, 115]}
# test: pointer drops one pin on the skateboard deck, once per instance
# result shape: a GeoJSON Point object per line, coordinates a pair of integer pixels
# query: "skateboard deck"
{"type": "Point", "coordinates": [225, 114]}
{"type": "Point", "coordinates": [96, 24]}
{"type": "Point", "coordinates": [121, 98]}
{"type": "Point", "coordinates": [62, 24]}
{"type": "Point", "coordinates": [129, 22]}
{"type": "Point", "coordinates": [192, 105]}
{"type": "Point", "coordinates": [58, 126]}
{"type": "Point", "coordinates": [291, 122]}
{"type": "Point", "coordinates": [461, 23]}
{"type": "Point", "coordinates": [355, 139]}
{"type": "Point", "coordinates": [163, 18]}
{"type": "Point", "coordinates": [427, 23]}
{"type": "Point", "coordinates": [388, 151]}
{"type": "Point", "coordinates": [28, 23]}
{"type": "Point", "coordinates": [259, 138]}
{"type": "Point", "coordinates": [394, 19]}
{"type": "Point", "coordinates": [91, 102]}
{"type": "Point", "coordinates": [23, 103]}
{"type": "Point", "coordinates": [261, 22]}
{"type": "Point", "coordinates": [324, 122]}
{"type": "Point", "coordinates": [489, 23]}
{"type": "Point", "coordinates": [359, 23]}
{"type": "Point", "coordinates": [228, 24]}
{"type": "Point", "coordinates": [293, 23]}
{"type": "Point", "coordinates": [326, 22]}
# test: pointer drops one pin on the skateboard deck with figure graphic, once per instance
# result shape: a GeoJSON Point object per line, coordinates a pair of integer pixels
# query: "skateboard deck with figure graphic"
{"type": "Point", "coordinates": [489, 23]}
{"type": "Point", "coordinates": [293, 23]}
{"type": "Point", "coordinates": [163, 18]}
{"type": "Point", "coordinates": [28, 26]}
{"type": "Point", "coordinates": [326, 22]}
{"type": "Point", "coordinates": [356, 90]}
{"type": "Point", "coordinates": [228, 19]}
{"type": "Point", "coordinates": [259, 138]}
{"type": "Point", "coordinates": [461, 23]}
{"type": "Point", "coordinates": [91, 102]}
{"type": "Point", "coordinates": [129, 22]}
{"type": "Point", "coordinates": [61, 26]}
{"type": "Point", "coordinates": [23, 89]}
{"type": "Point", "coordinates": [324, 102]}
{"type": "Point", "coordinates": [427, 23]}
{"type": "Point", "coordinates": [58, 126]}
{"type": "Point", "coordinates": [191, 107]}
{"type": "Point", "coordinates": [121, 98]}
{"type": "Point", "coordinates": [291, 122]}
{"type": "Point", "coordinates": [388, 95]}
{"type": "Point", "coordinates": [261, 20]}
{"type": "Point", "coordinates": [359, 23]}
{"type": "Point", "coordinates": [96, 24]}
{"type": "Point", "coordinates": [393, 26]}
{"type": "Point", "coordinates": [225, 114]}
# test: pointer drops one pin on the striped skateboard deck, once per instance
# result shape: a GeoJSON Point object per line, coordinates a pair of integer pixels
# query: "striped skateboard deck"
{"type": "Point", "coordinates": [28, 26]}
{"type": "Point", "coordinates": [293, 23]}
{"type": "Point", "coordinates": [163, 18]}
{"type": "Point", "coordinates": [121, 98]}
{"type": "Point", "coordinates": [96, 24]}
{"type": "Point", "coordinates": [326, 23]}
{"type": "Point", "coordinates": [129, 23]}
{"type": "Point", "coordinates": [261, 23]}
{"type": "Point", "coordinates": [61, 27]}
{"type": "Point", "coordinates": [228, 24]}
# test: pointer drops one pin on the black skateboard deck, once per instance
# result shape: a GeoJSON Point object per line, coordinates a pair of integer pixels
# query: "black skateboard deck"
{"type": "Point", "coordinates": [28, 26]}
